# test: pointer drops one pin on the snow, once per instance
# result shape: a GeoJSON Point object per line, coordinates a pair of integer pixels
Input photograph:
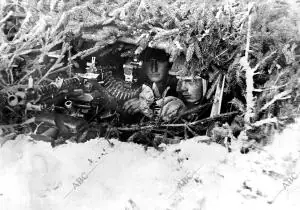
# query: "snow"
{"type": "Point", "coordinates": [188, 175]}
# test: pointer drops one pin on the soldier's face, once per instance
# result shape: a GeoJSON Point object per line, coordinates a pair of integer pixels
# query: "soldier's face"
{"type": "Point", "coordinates": [156, 71]}
{"type": "Point", "coordinates": [190, 89]}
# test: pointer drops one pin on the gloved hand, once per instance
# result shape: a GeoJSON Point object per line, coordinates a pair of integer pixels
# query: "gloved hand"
{"type": "Point", "coordinates": [141, 104]}
{"type": "Point", "coordinates": [137, 105]}
{"type": "Point", "coordinates": [132, 106]}
{"type": "Point", "coordinates": [170, 107]}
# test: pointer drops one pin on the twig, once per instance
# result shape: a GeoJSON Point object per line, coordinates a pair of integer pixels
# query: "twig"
{"type": "Point", "coordinates": [9, 14]}
{"type": "Point", "coordinates": [57, 63]}
{"type": "Point", "coordinates": [61, 69]}
{"type": "Point", "coordinates": [264, 60]}
{"type": "Point", "coordinates": [55, 66]}
{"type": "Point", "coordinates": [249, 73]}
{"type": "Point", "coordinates": [193, 110]}
{"type": "Point", "coordinates": [91, 51]}
{"type": "Point", "coordinates": [280, 96]}
{"type": "Point", "coordinates": [9, 70]}
{"type": "Point", "coordinates": [265, 121]}
{"type": "Point", "coordinates": [216, 117]}
{"type": "Point", "coordinates": [28, 74]}
{"type": "Point", "coordinates": [185, 133]}
{"type": "Point", "coordinates": [203, 121]}
{"type": "Point", "coordinates": [135, 128]}
{"type": "Point", "coordinates": [271, 88]}
{"type": "Point", "coordinates": [250, 6]}
{"type": "Point", "coordinates": [189, 128]}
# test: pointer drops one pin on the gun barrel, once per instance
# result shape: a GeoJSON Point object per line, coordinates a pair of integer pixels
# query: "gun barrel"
{"type": "Point", "coordinates": [13, 100]}
{"type": "Point", "coordinates": [68, 104]}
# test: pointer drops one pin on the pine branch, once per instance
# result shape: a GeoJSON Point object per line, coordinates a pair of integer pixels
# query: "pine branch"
{"type": "Point", "coordinates": [281, 96]}
{"type": "Point", "coordinates": [238, 104]}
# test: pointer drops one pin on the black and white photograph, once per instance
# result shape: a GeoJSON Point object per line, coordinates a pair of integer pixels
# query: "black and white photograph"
{"type": "Point", "coordinates": [149, 104]}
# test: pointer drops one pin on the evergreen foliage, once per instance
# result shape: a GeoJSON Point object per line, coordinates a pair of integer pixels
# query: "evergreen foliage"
{"type": "Point", "coordinates": [43, 38]}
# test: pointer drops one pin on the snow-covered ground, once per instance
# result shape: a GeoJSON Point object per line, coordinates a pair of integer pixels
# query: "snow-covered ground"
{"type": "Point", "coordinates": [190, 175]}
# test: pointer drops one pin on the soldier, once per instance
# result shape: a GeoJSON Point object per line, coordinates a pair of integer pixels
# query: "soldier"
{"type": "Point", "coordinates": [186, 91]}
{"type": "Point", "coordinates": [192, 89]}
{"type": "Point", "coordinates": [156, 66]}
{"type": "Point", "coordinates": [154, 74]}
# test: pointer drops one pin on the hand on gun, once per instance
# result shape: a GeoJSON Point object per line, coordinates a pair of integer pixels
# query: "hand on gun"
{"type": "Point", "coordinates": [170, 107]}
{"type": "Point", "coordinates": [132, 106]}
{"type": "Point", "coordinates": [141, 104]}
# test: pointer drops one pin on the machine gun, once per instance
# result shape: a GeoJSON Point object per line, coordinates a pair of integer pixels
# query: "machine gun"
{"type": "Point", "coordinates": [83, 94]}
{"type": "Point", "coordinates": [43, 97]}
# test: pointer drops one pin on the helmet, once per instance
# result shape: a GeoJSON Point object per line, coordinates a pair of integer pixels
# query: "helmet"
{"type": "Point", "coordinates": [157, 54]}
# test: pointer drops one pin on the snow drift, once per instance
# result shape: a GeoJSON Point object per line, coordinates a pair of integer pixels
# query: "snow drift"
{"type": "Point", "coordinates": [189, 175]}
